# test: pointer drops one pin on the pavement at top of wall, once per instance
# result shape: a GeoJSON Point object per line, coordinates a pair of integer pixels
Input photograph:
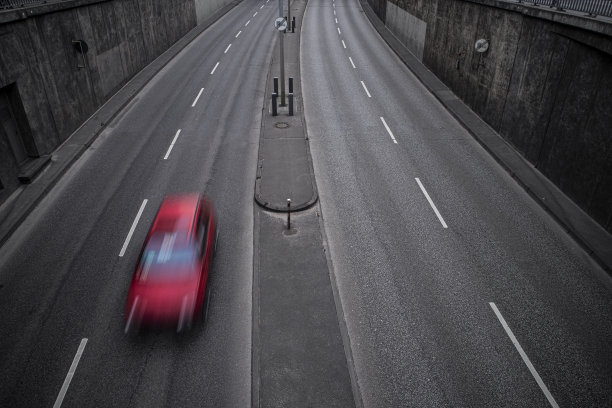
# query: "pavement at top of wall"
{"type": "Point", "coordinates": [590, 235]}
{"type": "Point", "coordinates": [17, 207]}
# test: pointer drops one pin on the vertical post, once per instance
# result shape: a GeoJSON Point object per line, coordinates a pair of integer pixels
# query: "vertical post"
{"type": "Point", "coordinates": [276, 85]}
{"type": "Point", "coordinates": [282, 68]}
{"type": "Point", "coordinates": [288, 213]}
{"type": "Point", "coordinates": [274, 104]}
{"type": "Point", "coordinates": [293, 25]}
{"type": "Point", "coordinates": [289, 12]}
{"type": "Point", "coordinates": [282, 56]}
{"type": "Point", "coordinates": [290, 104]}
{"type": "Point", "coordinates": [290, 85]}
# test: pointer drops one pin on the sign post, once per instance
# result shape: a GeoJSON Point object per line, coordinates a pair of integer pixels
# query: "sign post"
{"type": "Point", "coordinates": [281, 25]}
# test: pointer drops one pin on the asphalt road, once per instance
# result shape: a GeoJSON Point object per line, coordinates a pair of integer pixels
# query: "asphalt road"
{"type": "Point", "coordinates": [62, 279]}
{"type": "Point", "coordinates": [432, 301]}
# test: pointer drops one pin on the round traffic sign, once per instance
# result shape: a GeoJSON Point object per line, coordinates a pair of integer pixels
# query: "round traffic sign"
{"type": "Point", "coordinates": [280, 24]}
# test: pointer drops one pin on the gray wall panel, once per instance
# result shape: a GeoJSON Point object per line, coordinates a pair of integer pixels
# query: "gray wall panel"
{"type": "Point", "coordinates": [544, 84]}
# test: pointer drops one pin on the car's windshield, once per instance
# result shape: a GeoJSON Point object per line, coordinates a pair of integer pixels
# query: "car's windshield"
{"type": "Point", "coordinates": [167, 255]}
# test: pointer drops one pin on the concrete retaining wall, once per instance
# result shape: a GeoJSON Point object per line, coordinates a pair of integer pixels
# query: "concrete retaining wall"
{"type": "Point", "coordinates": [49, 88]}
{"type": "Point", "coordinates": [545, 84]}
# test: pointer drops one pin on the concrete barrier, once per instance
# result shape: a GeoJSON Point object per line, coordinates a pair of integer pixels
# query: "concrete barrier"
{"type": "Point", "coordinates": [50, 84]}
{"type": "Point", "coordinates": [544, 84]}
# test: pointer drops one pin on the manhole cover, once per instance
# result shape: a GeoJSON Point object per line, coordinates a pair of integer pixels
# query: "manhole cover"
{"type": "Point", "coordinates": [282, 125]}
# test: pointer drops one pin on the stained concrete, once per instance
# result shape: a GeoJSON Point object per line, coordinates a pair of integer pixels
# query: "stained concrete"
{"type": "Point", "coordinates": [58, 87]}
{"type": "Point", "coordinates": [542, 84]}
{"type": "Point", "coordinates": [583, 227]}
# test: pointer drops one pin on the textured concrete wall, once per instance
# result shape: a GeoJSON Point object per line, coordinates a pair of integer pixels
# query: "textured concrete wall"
{"type": "Point", "coordinates": [408, 29]}
{"type": "Point", "coordinates": [204, 8]}
{"type": "Point", "coordinates": [545, 84]}
{"type": "Point", "coordinates": [38, 59]}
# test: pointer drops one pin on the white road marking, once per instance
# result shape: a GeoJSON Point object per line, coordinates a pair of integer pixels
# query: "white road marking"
{"type": "Point", "coordinates": [129, 321]}
{"type": "Point", "coordinates": [352, 63]}
{"type": "Point", "coordinates": [339, 33]}
{"type": "Point", "coordinates": [213, 71]}
{"type": "Point", "coordinates": [336, 21]}
{"type": "Point", "coordinates": [172, 144]}
{"type": "Point", "coordinates": [369, 96]}
{"type": "Point", "coordinates": [388, 130]}
{"type": "Point", "coordinates": [227, 49]}
{"type": "Point", "coordinates": [431, 203]}
{"type": "Point", "coordinates": [343, 44]}
{"type": "Point", "coordinates": [255, 13]}
{"type": "Point", "coordinates": [197, 97]}
{"type": "Point", "coordinates": [134, 224]}
{"type": "Point", "coordinates": [262, 6]}
{"type": "Point", "coordinates": [247, 23]}
{"type": "Point", "coordinates": [73, 367]}
{"type": "Point", "coordinates": [238, 34]}
{"type": "Point", "coordinates": [334, 12]}
{"type": "Point", "coordinates": [518, 347]}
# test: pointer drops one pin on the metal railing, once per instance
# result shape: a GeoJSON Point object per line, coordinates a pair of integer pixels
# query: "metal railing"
{"type": "Point", "coordinates": [593, 8]}
{"type": "Point", "coordinates": [15, 4]}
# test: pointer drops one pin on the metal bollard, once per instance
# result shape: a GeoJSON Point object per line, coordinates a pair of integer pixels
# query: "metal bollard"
{"type": "Point", "coordinates": [276, 85]}
{"type": "Point", "coordinates": [288, 213]}
{"type": "Point", "coordinates": [274, 104]}
{"type": "Point", "coordinates": [293, 25]}
{"type": "Point", "coordinates": [291, 104]}
{"type": "Point", "coordinates": [290, 85]}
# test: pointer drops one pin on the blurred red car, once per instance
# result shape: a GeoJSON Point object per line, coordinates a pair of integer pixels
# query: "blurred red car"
{"type": "Point", "coordinates": [169, 287]}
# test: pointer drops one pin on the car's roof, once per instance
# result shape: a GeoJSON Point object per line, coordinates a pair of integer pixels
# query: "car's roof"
{"type": "Point", "coordinates": [177, 213]}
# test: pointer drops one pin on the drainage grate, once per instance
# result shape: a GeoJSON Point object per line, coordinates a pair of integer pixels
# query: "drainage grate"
{"type": "Point", "coordinates": [281, 125]}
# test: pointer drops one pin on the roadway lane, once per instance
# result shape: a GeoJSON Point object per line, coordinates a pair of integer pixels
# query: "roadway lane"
{"type": "Point", "coordinates": [440, 257]}
{"type": "Point", "coordinates": [61, 274]}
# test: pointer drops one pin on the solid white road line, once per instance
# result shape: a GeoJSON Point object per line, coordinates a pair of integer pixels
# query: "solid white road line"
{"type": "Point", "coordinates": [255, 13]}
{"type": "Point", "coordinates": [369, 96]}
{"type": "Point", "coordinates": [213, 71]}
{"type": "Point", "coordinates": [343, 44]}
{"type": "Point", "coordinates": [388, 130]}
{"type": "Point", "coordinates": [239, 32]}
{"type": "Point", "coordinates": [339, 33]}
{"type": "Point", "coordinates": [172, 144]}
{"type": "Point", "coordinates": [518, 347]}
{"type": "Point", "coordinates": [197, 97]}
{"type": "Point", "coordinates": [352, 63]}
{"type": "Point", "coordinates": [227, 49]}
{"type": "Point", "coordinates": [433, 206]}
{"type": "Point", "coordinates": [73, 367]}
{"type": "Point", "coordinates": [247, 23]}
{"type": "Point", "coordinates": [129, 236]}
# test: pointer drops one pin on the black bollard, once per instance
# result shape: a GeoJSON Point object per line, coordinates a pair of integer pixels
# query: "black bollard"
{"type": "Point", "coordinates": [291, 104]}
{"type": "Point", "coordinates": [290, 85]}
{"type": "Point", "coordinates": [274, 108]}
{"type": "Point", "coordinates": [276, 85]}
{"type": "Point", "coordinates": [293, 25]}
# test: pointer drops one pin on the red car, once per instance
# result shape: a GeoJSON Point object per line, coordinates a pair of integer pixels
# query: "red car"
{"type": "Point", "coordinates": [169, 287]}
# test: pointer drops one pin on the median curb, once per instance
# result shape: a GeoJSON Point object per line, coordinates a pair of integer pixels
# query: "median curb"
{"type": "Point", "coordinates": [594, 239]}
{"type": "Point", "coordinates": [17, 207]}
{"type": "Point", "coordinates": [284, 163]}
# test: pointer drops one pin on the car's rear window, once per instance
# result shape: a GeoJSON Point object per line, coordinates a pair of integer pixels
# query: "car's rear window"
{"type": "Point", "coordinates": [167, 255]}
